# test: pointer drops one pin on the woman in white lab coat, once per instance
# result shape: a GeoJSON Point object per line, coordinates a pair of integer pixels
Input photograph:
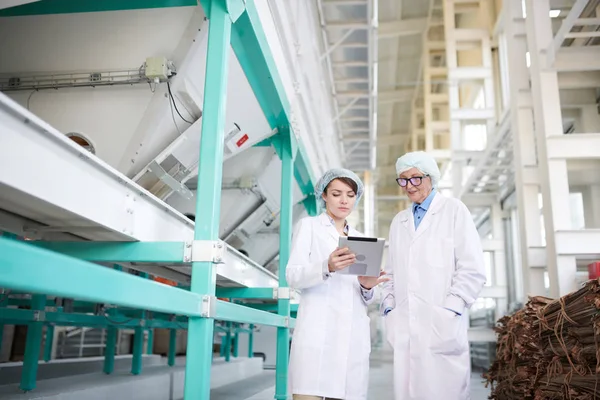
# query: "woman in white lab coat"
{"type": "Point", "coordinates": [435, 262]}
{"type": "Point", "coordinates": [331, 341]}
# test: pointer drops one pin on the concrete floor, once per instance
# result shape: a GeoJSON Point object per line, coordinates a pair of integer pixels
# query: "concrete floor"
{"type": "Point", "coordinates": [256, 386]}
{"type": "Point", "coordinates": [380, 382]}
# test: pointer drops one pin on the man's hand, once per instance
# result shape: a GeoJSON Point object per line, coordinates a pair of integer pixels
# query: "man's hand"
{"type": "Point", "coordinates": [340, 259]}
{"type": "Point", "coordinates": [369, 282]}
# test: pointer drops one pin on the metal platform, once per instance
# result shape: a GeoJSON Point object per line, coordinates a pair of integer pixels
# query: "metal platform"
{"type": "Point", "coordinates": [56, 183]}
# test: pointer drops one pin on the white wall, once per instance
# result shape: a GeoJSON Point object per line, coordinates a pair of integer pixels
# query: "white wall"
{"type": "Point", "coordinates": [103, 41]}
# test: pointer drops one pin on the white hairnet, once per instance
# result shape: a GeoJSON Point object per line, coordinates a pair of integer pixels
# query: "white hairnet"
{"type": "Point", "coordinates": [334, 174]}
{"type": "Point", "coordinates": [421, 161]}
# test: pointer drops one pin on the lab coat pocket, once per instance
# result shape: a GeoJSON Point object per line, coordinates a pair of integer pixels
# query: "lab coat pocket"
{"type": "Point", "coordinates": [446, 333]}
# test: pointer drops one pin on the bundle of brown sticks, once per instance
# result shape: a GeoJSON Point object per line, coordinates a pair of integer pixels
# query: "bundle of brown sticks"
{"type": "Point", "coordinates": [550, 349]}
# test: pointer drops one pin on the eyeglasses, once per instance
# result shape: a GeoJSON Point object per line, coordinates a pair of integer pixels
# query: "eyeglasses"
{"type": "Point", "coordinates": [415, 180]}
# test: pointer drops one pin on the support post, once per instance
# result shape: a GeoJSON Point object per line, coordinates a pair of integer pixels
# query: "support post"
{"type": "Point", "coordinates": [529, 234]}
{"type": "Point", "coordinates": [210, 176]}
{"type": "Point", "coordinates": [251, 341]}
{"type": "Point", "coordinates": [109, 351]}
{"type": "Point", "coordinates": [553, 174]}
{"type": "Point", "coordinates": [236, 343]}
{"type": "Point", "coordinates": [48, 343]}
{"type": "Point", "coordinates": [138, 348]}
{"type": "Point", "coordinates": [4, 294]}
{"type": "Point", "coordinates": [150, 346]}
{"type": "Point", "coordinates": [228, 342]}
{"type": "Point", "coordinates": [172, 346]}
{"type": "Point", "coordinates": [33, 345]}
{"type": "Point", "coordinates": [288, 154]}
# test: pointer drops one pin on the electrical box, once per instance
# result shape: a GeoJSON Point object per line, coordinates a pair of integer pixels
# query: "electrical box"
{"type": "Point", "coordinates": [236, 140]}
{"type": "Point", "coordinates": [157, 67]}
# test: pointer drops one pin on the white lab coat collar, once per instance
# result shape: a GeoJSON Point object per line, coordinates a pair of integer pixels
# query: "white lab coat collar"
{"type": "Point", "coordinates": [331, 229]}
{"type": "Point", "coordinates": [408, 222]}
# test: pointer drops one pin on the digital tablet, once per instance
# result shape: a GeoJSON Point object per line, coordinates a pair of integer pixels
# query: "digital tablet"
{"type": "Point", "coordinates": [369, 254]}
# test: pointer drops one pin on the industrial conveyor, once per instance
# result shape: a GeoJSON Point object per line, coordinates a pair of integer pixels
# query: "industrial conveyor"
{"type": "Point", "coordinates": [50, 180]}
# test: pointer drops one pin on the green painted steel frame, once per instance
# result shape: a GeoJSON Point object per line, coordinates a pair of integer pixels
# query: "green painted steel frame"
{"type": "Point", "coordinates": [250, 45]}
{"type": "Point", "coordinates": [141, 252]}
{"type": "Point", "coordinates": [246, 293]}
{"type": "Point", "coordinates": [231, 22]}
{"type": "Point", "coordinates": [210, 172]}
{"type": "Point", "coordinates": [31, 269]}
{"type": "Point", "coordinates": [44, 7]}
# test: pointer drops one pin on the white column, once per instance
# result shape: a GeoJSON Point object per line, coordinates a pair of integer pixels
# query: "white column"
{"type": "Point", "coordinates": [591, 206]}
{"type": "Point", "coordinates": [548, 123]}
{"type": "Point", "coordinates": [513, 42]}
{"type": "Point", "coordinates": [462, 72]}
{"type": "Point", "coordinates": [369, 204]}
{"type": "Point", "coordinates": [500, 278]}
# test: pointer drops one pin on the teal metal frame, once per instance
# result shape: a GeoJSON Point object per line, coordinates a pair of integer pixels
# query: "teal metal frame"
{"type": "Point", "coordinates": [44, 7]}
{"type": "Point", "coordinates": [235, 23]}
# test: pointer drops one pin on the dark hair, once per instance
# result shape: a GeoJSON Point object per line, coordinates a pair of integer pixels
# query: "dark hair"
{"type": "Point", "coordinates": [347, 181]}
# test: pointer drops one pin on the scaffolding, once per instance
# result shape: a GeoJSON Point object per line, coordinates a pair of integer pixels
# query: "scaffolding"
{"type": "Point", "coordinates": [110, 298]}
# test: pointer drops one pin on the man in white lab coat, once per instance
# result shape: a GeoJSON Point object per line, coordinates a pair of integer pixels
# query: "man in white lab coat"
{"type": "Point", "coordinates": [435, 262]}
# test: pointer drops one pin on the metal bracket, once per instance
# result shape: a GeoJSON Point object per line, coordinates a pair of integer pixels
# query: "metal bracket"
{"type": "Point", "coordinates": [286, 322]}
{"type": "Point", "coordinates": [208, 307]}
{"type": "Point", "coordinates": [281, 293]}
{"type": "Point", "coordinates": [157, 170]}
{"type": "Point", "coordinates": [207, 251]}
{"type": "Point", "coordinates": [39, 316]}
{"type": "Point", "coordinates": [187, 252]}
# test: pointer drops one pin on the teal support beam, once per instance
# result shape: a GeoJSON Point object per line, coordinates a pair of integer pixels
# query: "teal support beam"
{"type": "Point", "coordinates": [270, 306]}
{"type": "Point", "coordinates": [48, 343]}
{"type": "Point", "coordinates": [223, 344]}
{"type": "Point", "coordinates": [251, 47]}
{"type": "Point", "coordinates": [288, 154]}
{"type": "Point", "coordinates": [110, 350]}
{"type": "Point", "coordinates": [15, 316]}
{"type": "Point", "coordinates": [172, 347]}
{"type": "Point", "coordinates": [44, 7]}
{"type": "Point", "coordinates": [150, 348]}
{"type": "Point", "coordinates": [138, 348]}
{"type": "Point", "coordinates": [246, 293]}
{"type": "Point", "coordinates": [34, 270]}
{"type": "Point", "coordinates": [228, 342]}
{"type": "Point", "coordinates": [227, 311]}
{"type": "Point", "coordinates": [251, 341]}
{"type": "Point", "coordinates": [236, 343]}
{"type": "Point", "coordinates": [4, 302]}
{"type": "Point", "coordinates": [33, 345]}
{"type": "Point", "coordinates": [310, 203]}
{"type": "Point", "coordinates": [210, 174]}
{"type": "Point", "coordinates": [141, 252]}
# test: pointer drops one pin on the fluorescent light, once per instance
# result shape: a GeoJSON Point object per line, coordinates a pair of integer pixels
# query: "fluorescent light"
{"type": "Point", "coordinates": [554, 13]}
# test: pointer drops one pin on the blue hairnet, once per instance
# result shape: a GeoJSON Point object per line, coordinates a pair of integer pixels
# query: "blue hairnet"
{"type": "Point", "coordinates": [334, 174]}
{"type": "Point", "coordinates": [421, 161]}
